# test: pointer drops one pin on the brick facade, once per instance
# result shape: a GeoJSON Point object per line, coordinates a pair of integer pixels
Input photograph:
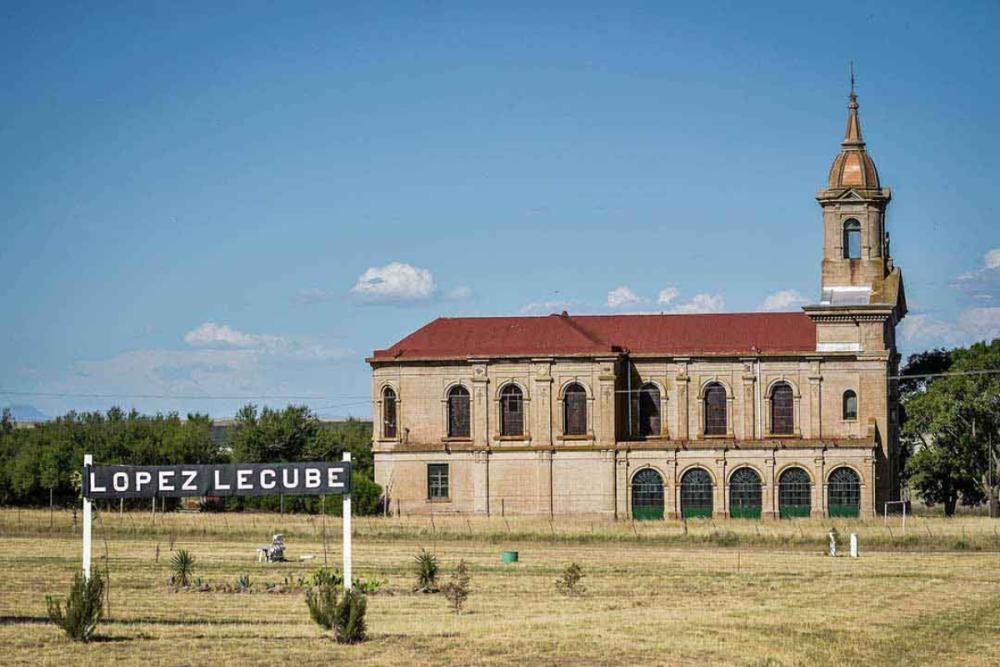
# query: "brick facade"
{"type": "Point", "coordinates": [845, 343]}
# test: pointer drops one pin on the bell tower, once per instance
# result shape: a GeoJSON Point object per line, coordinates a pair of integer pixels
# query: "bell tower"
{"type": "Point", "coordinates": [861, 290]}
{"type": "Point", "coordinates": [861, 302]}
{"type": "Point", "coordinates": [855, 245]}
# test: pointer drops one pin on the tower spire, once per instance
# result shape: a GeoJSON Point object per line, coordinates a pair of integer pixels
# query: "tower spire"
{"type": "Point", "coordinates": [852, 137]}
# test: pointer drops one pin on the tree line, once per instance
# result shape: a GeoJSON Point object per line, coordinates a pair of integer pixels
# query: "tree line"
{"type": "Point", "coordinates": [951, 426]}
{"type": "Point", "coordinates": [40, 465]}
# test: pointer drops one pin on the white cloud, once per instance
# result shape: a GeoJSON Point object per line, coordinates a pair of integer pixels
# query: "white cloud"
{"type": "Point", "coordinates": [983, 283]}
{"type": "Point", "coordinates": [311, 295]}
{"type": "Point", "coordinates": [210, 334]}
{"type": "Point", "coordinates": [548, 307]}
{"type": "Point", "coordinates": [992, 259]}
{"type": "Point", "coordinates": [394, 283]}
{"type": "Point", "coordinates": [972, 324]}
{"type": "Point", "coordinates": [623, 297]}
{"type": "Point", "coordinates": [460, 293]}
{"type": "Point", "coordinates": [667, 295]}
{"type": "Point", "coordinates": [786, 299]}
{"type": "Point", "coordinates": [221, 336]}
{"type": "Point", "coordinates": [702, 303]}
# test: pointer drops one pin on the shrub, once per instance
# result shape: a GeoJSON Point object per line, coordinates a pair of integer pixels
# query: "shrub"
{"type": "Point", "coordinates": [427, 571]}
{"type": "Point", "coordinates": [345, 616]}
{"type": "Point", "coordinates": [457, 589]}
{"type": "Point", "coordinates": [243, 584]}
{"type": "Point", "coordinates": [325, 577]}
{"type": "Point", "coordinates": [568, 582]}
{"type": "Point", "coordinates": [83, 607]}
{"type": "Point", "coordinates": [182, 565]}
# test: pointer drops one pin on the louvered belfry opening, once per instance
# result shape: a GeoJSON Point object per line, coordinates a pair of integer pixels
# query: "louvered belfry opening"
{"type": "Point", "coordinates": [511, 411]}
{"type": "Point", "coordinates": [389, 413]}
{"type": "Point", "coordinates": [782, 410]}
{"type": "Point", "coordinates": [459, 418]}
{"type": "Point", "coordinates": [715, 410]}
{"type": "Point", "coordinates": [575, 408]}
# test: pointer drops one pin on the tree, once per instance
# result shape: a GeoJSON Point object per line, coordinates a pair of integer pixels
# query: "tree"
{"type": "Point", "coordinates": [955, 421]}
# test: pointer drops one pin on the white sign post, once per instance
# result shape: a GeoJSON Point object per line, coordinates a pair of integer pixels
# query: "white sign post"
{"type": "Point", "coordinates": [88, 460]}
{"type": "Point", "coordinates": [348, 580]}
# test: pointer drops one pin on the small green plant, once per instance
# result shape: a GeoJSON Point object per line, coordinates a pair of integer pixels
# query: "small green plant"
{"type": "Point", "coordinates": [456, 591]}
{"type": "Point", "coordinates": [325, 577]}
{"type": "Point", "coordinates": [369, 586]}
{"type": "Point", "coordinates": [344, 615]}
{"type": "Point", "coordinates": [83, 609]}
{"type": "Point", "coordinates": [243, 584]}
{"type": "Point", "coordinates": [182, 565]}
{"type": "Point", "coordinates": [427, 572]}
{"type": "Point", "coordinates": [568, 582]}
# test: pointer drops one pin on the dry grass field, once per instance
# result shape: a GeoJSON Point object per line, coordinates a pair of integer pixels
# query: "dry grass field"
{"type": "Point", "coordinates": [731, 592]}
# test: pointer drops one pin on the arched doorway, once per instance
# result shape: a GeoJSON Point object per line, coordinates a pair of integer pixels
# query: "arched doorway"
{"type": "Point", "coordinates": [744, 494]}
{"type": "Point", "coordinates": [696, 494]}
{"type": "Point", "coordinates": [794, 494]}
{"type": "Point", "coordinates": [647, 495]}
{"type": "Point", "coordinates": [844, 493]}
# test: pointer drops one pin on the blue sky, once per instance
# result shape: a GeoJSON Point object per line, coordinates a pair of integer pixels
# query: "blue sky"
{"type": "Point", "coordinates": [246, 200]}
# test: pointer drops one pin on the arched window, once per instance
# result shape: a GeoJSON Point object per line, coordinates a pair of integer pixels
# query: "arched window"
{"type": "Point", "coordinates": [844, 493]}
{"type": "Point", "coordinates": [794, 494]}
{"type": "Point", "coordinates": [715, 409]}
{"type": "Point", "coordinates": [649, 410]}
{"type": "Point", "coordinates": [459, 417]}
{"type": "Point", "coordinates": [647, 495]}
{"type": "Point", "coordinates": [852, 239]}
{"type": "Point", "coordinates": [744, 494]}
{"type": "Point", "coordinates": [511, 411]}
{"type": "Point", "coordinates": [389, 413]}
{"type": "Point", "coordinates": [782, 409]}
{"type": "Point", "coordinates": [850, 405]}
{"type": "Point", "coordinates": [575, 410]}
{"type": "Point", "coordinates": [696, 494]}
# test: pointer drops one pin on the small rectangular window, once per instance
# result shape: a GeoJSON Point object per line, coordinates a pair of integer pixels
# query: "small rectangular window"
{"type": "Point", "coordinates": [437, 481]}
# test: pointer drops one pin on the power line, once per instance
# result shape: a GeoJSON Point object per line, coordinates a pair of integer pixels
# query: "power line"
{"type": "Point", "coordinates": [992, 371]}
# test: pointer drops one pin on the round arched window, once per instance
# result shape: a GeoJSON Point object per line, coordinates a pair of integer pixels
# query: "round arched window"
{"type": "Point", "coordinates": [696, 494]}
{"type": "Point", "coordinates": [794, 494]}
{"type": "Point", "coordinates": [844, 493]}
{"type": "Point", "coordinates": [459, 413]}
{"type": "Point", "coordinates": [511, 411]}
{"type": "Point", "coordinates": [744, 494]}
{"type": "Point", "coordinates": [647, 495]}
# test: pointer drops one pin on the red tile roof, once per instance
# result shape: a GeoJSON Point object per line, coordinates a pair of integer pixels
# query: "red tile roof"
{"type": "Point", "coordinates": [590, 335]}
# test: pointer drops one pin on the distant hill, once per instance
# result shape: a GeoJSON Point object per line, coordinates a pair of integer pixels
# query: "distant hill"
{"type": "Point", "coordinates": [27, 413]}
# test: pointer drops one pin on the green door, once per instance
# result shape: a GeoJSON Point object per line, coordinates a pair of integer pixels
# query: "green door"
{"type": "Point", "coordinates": [696, 494]}
{"type": "Point", "coordinates": [647, 495]}
{"type": "Point", "coordinates": [744, 494]}
{"type": "Point", "coordinates": [794, 494]}
{"type": "Point", "coordinates": [844, 493]}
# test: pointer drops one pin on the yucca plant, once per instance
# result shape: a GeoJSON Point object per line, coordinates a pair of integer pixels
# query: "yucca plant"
{"type": "Point", "coordinates": [84, 607]}
{"type": "Point", "coordinates": [427, 571]}
{"type": "Point", "coordinates": [182, 565]}
{"type": "Point", "coordinates": [243, 584]}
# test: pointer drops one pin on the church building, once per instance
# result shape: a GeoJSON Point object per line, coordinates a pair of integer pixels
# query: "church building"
{"type": "Point", "coordinates": [756, 415]}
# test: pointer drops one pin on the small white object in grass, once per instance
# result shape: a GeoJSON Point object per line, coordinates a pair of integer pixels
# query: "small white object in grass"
{"type": "Point", "coordinates": [306, 557]}
{"type": "Point", "coordinates": [854, 545]}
